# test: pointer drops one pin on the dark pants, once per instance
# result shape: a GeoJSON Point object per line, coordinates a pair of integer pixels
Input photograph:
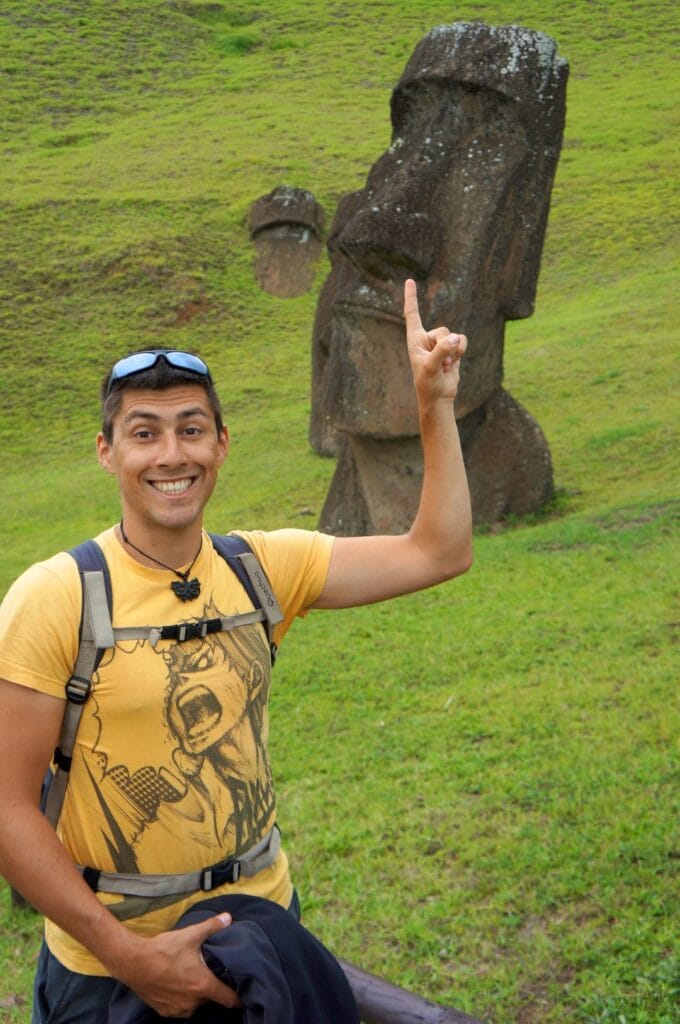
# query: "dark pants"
{"type": "Point", "coordinates": [61, 996]}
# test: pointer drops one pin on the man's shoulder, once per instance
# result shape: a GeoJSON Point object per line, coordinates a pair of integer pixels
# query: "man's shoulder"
{"type": "Point", "coordinates": [287, 538]}
{"type": "Point", "coordinates": [287, 547]}
{"type": "Point", "coordinates": [296, 564]}
{"type": "Point", "coordinates": [59, 570]}
{"type": "Point", "coordinates": [39, 620]}
{"type": "Point", "coordinates": [52, 575]}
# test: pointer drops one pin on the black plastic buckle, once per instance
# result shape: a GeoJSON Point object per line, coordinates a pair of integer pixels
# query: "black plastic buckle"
{"type": "Point", "coordinates": [213, 878]}
{"type": "Point", "coordinates": [61, 760]}
{"type": "Point", "coordinates": [77, 689]}
{"type": "Point", "coordinates": [190, 630]}
{"type": "Point", "coordinates": [91, 877]}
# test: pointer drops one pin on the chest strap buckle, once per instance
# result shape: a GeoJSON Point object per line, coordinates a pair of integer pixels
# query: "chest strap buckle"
{"type": "Point", "coordinates": [213, 878]}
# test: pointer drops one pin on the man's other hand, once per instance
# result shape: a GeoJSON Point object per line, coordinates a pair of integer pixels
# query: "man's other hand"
{"type": "Point", "coordinates": [168, 972]}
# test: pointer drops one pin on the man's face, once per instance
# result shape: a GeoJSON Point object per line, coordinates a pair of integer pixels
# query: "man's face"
{"type": "Point", "coordinates": [165, 452]}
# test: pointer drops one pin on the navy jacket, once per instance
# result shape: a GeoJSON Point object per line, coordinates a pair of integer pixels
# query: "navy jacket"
{"type": "Point", "coordinates": [282, 973]}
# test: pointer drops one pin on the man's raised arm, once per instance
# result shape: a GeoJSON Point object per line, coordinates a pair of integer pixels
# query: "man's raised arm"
{"type": "Point", "coordinates": [439, 544]}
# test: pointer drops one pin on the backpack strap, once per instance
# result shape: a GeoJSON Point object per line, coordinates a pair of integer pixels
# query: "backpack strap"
{"type": "Point", "coordinates": [240, 558]}
{"type": "Point", "coordinates": [95, 637]}
{"type": "Point", "coordinates": [245, 565]}
{"type": "Point", "coordinates": [230, 870]}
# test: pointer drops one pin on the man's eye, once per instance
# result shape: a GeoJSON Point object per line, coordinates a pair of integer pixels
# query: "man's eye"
{"type": "Point", "coordinates": [143, 435]}
{"type": "Point", "coordinates": [192, 431]}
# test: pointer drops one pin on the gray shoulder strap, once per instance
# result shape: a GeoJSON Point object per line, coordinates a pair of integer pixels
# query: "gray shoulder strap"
{"type": "Point", "coordinates": [97, 617]}
{"type": "Point", "coordinates": [96, 635]}
{"type": "Point", "coordinates": [270, 606]}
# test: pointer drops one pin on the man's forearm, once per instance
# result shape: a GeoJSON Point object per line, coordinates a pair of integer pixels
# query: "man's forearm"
{"type": "Point", "coordinates": [438, 545]}
{"type": "Point", "coordinates": [35, 862]}
{"type": "Point", "coordinates": [166, 970]}
{"type": "Point", "coordinates": [442, 528]}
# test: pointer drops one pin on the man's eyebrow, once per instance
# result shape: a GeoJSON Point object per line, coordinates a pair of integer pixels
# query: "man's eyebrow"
{"type": "Point", "coordinates": [184, 414]}
{"type": "Point", "coordinates": [140, 414]}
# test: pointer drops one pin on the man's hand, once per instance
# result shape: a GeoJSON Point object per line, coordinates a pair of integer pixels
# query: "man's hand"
{"type": "Point", "coordinates": [168, 971]}
{"type": "Point", "coordinates": [435, 355]}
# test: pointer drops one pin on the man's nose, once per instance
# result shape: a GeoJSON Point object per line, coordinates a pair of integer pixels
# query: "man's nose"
{"type": "Point", "coordinates": [171, 451]}
{"type": "Point", "coordinates": [389, 238]}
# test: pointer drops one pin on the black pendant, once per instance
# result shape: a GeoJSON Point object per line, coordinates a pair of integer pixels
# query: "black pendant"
{"type": "Point", "coordinates": [186, 590]}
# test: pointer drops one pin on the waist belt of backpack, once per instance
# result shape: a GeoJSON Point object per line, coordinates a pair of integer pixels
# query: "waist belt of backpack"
{"type": "Point", "coordinates": [260, 856]}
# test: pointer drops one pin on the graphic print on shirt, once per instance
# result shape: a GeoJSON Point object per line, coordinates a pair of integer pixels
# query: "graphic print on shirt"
{"type": "Point", "coordinates": [216, 786]}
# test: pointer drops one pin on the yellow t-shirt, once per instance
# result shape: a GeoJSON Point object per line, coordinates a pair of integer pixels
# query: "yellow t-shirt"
{"type": "Point", "coordinates": [170, 769]}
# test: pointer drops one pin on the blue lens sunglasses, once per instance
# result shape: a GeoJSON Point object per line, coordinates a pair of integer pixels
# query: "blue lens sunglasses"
{"type": "Point", "coordinates": [130, 365]}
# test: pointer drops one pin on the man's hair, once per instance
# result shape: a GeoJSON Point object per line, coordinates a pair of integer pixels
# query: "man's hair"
{"type": "Point", "coordinates": [159, 377]}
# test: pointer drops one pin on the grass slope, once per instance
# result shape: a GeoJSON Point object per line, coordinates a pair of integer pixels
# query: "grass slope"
{"type": "Point", "coordinates": [512, 735]}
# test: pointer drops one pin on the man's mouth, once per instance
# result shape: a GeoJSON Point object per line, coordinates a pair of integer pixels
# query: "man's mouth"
{"type": "Point", "coordinates": [172, 486]}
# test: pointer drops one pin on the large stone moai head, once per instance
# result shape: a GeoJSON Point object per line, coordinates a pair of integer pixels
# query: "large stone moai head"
{"type": "Point", "coordinates": [459, 202]}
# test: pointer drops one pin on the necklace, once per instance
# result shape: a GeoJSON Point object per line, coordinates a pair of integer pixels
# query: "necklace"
{"type": "Point", "coordinates": [183, 588]}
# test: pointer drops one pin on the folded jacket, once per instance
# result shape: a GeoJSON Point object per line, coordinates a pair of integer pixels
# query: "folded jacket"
{"type": "Point", "coordinates": [282, 973]}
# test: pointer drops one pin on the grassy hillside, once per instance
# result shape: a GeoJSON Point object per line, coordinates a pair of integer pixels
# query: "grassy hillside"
{"type": "Point", "coordinates": [513, 735]}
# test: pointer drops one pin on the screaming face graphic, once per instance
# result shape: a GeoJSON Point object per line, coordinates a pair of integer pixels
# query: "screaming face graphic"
{"type": "Point", "coordinates": [204, 779]}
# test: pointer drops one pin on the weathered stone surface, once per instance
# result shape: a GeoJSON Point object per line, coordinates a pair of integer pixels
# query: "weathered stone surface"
{"type": "Point", "coordinates": [507, 459]}
{"type": "Point", "coordinates": [286, 205]}
{"type": "Point", "coordinates": [375, 486]}
{"type": "Point", "coordinates": [286, 227]}
{"type": "Point", "coordinates": [459, 202]}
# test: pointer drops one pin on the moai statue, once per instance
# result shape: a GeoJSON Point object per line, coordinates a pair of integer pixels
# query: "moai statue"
{"type": "Point", "coordinates": [460, 203]}
{"type": "Point", "coordinates": [286, 227]}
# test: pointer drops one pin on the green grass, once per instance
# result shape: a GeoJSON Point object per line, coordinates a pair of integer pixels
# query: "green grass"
{"type": "Point", "coordinates": [478, 785]}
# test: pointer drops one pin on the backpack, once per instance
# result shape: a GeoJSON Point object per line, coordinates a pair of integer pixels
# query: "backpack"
{"type": "Point", "coordinates": [97, 635]}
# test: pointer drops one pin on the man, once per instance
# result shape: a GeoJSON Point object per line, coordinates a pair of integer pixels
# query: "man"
{"type": "Point", "coordinates": [171, 772]}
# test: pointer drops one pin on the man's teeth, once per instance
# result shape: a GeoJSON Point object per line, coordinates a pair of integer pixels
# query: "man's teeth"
{"type": "Point", "coordinates": [172, 486]}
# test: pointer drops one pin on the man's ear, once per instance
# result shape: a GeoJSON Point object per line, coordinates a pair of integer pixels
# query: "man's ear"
{"type": "Point", "coordinates": [104, 454]}
{"type": "Point", "coordinates": [223, 445]}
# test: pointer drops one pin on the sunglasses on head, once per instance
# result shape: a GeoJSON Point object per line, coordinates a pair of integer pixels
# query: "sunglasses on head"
{"type": "Point", "coordinates": [140, 361]}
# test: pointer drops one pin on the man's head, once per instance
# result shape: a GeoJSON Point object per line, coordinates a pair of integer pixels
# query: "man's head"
{"type": "Point", "coordinates": [164, 441]}
{"type": "Point", "coordinates": [155, 369]}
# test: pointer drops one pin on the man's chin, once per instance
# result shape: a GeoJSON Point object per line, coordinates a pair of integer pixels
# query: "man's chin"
{"type": "Point", "coordinates": [177, 518]}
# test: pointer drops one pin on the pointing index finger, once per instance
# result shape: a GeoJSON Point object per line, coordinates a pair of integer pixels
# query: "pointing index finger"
{"type": "Point", "coordinates": [411, 311]}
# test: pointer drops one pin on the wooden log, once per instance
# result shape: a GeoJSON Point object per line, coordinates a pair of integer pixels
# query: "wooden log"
{"type": "Point", "coordinates": [380, 1002]}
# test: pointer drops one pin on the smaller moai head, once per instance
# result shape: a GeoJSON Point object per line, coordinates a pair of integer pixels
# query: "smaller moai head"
{"type": "Point", "coordinates": [286, 227]}
{"type": "Point", "coordinates": [459, 202]}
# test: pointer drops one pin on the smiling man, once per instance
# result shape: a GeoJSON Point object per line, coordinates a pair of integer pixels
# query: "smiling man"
{"type": "Point", "coordinates": [170, 774]}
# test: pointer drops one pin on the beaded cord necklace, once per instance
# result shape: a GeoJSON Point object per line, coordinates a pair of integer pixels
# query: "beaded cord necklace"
{"type": "Point", "coordinates": [183, 588]}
